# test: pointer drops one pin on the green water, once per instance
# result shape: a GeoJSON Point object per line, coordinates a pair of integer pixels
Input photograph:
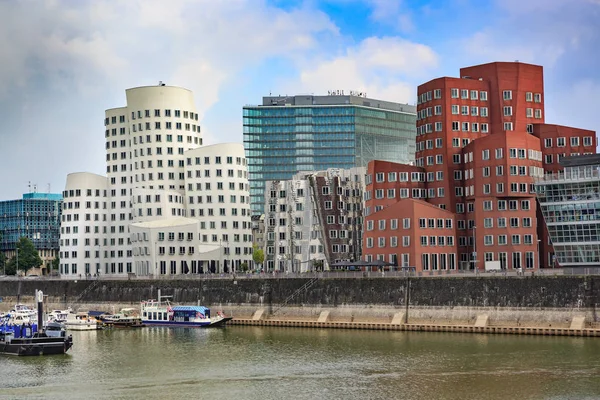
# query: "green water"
{"type": "Point", "coordinates": [284, 363]}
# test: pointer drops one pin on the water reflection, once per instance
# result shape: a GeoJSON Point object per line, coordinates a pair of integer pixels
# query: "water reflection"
{"type": "Point", "coordinates": [275, 363]}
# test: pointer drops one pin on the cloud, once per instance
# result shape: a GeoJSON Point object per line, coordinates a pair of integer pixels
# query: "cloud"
{"type": "Point", "coordinates": [535, 31]}
{"type": "Point", "coordinates": [385, 68]}
{"type": "Point", "coordinates": [63, 63]}
{"type": "Point", "coordinates": [392, 13]}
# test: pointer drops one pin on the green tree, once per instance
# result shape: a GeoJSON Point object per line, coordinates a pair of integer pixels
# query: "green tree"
{"type": "Point", "coordinates": [317, 265]}
{"type": "Point", "coordinates": [258, 255]}
{"type": "Point", "coordinates": [2, 262]}
{"type": "Point", "coordinates": [28, 256]}
{"type": "Point", "coordinates": [54, 265]}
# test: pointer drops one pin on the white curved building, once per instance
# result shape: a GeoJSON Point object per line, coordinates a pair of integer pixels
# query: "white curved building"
{"type": "Point", "coordinates": [83, 229]}
{"type": "Point", "coordinates": [218, 197]}
{"type": "Point", "coordinates": [152, 184]}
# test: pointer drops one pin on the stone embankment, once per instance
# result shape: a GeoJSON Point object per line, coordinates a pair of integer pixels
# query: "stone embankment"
{"type": "Point", "coordinates": [558, 305]}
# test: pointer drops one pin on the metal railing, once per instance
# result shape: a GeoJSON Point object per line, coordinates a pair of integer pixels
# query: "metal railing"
{"type": "Point", "coordinates": [329, 275]}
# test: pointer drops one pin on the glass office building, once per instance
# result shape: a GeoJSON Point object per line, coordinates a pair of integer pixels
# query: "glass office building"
{"type": "Point", "coordinates": [36, 216]}
{"type": "Point", "coordinates": [290, 134]}
{"type": "Point", "coordinates": [570, 204]}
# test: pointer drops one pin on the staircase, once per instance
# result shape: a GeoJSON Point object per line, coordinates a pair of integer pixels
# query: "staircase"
{"type": "Point", "coordinates": [291, 297]}
{"type": "Point", "coordinates": [85, 291]}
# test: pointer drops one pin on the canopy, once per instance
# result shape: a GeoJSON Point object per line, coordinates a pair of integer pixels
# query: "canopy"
{"type": "Point", "coordinates": [376, 263]}
{"type": "Point", "coordinates": [200, 309]}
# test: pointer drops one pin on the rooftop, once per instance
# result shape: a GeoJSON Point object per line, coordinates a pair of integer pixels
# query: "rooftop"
{"type": "Point", "coordinates": [335, 99]}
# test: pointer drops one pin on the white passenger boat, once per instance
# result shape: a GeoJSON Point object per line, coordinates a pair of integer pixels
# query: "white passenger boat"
{"type": "Point", "coordinates": [155, 312]}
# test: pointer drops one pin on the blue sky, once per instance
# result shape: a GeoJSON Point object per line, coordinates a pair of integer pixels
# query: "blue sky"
{"type": "Point", "coordinates": [62, 63]}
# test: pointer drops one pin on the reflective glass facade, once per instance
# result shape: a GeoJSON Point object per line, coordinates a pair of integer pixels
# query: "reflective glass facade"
{"type": "Point", "coordinates": [36, 215]}
{"type": "Point", "coordinates": [570, 204]}
{"type": "Point", "coordinates": [281, 141]}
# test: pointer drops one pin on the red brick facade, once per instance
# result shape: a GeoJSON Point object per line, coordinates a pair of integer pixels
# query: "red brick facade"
{"type": "Point", "coordinates": [480, 145]}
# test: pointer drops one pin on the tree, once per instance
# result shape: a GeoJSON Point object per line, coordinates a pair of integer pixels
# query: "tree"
{"type": "Point", "coordinates": [54, 265]}
{"type": "Point", "coordinates": [28, 256]}
{"type": "Point", "coordinates": [2, 258]}
{"type": "Point", "coordinates": [317, 265]}
{"type": "Point", "coordinates": [258, 255]}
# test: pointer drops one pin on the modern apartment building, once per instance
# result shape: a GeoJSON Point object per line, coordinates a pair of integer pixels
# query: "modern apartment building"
{"type": "Point", "coordinates": [290, 134]}
{"type": "Point", "coordinates": [161, 186]}
{"type": "Point", "coordinates": [313, 220]}
{"type": "Point", "coordinates": [35, 216]}
{"type": "Point", "coordinates": [570, 203]}
{"type": "Point", "coordinates": [481, 143]}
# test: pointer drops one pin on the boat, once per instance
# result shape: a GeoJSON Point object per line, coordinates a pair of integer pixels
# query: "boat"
{"type": "Point", "coordinates": [59, 315]}
{"type": "Point", "coordinates": [27, 340]}
{"type": "Point", "coordinates": [126, 318]}
{"type": "Point", "coordinates": [22, 314]}
{"type": "Point", "coordinates": [156, 312]}
{"type": "Point", "coordinates": [82, 321]}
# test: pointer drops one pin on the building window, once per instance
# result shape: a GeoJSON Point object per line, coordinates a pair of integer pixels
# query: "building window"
{"type": "Point", "coordinates": [454, 93]}
{"type": "Point", "coordinates": [529, 96]}
{"type": "Point", "coordinates": [508, 126]}
{"type": "Point", "coordinates": [574, 141]}
{"type": "Point", "coordinates": [507, 111]}
{"type": "Point", "coordinates": [507, 94]}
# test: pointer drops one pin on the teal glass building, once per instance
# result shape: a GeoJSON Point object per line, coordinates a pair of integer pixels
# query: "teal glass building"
{"type": "Point", "coordinates": [290, 134]}
{"type": "Point", "coordinates": [36, 216]}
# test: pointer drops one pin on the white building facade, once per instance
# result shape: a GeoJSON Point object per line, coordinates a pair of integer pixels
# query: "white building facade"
{"type": "Point", "coordinates": [313, 220]}
{"type": "Point", "coordinates": [151, 146]}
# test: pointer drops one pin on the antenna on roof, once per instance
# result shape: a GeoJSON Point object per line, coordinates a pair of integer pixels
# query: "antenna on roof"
{"type": "Point", "coordinates": [48, 188]}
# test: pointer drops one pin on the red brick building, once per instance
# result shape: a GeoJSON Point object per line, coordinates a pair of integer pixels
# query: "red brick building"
{"type": "Point", "coordinates": [481, 142]}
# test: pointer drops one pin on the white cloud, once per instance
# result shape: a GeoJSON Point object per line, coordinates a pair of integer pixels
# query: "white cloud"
{"type": "Point", "coordinates": [385, 68]}
{"type": "Point", "coordinates": [536, 31]}
{"type": "Point", "coordinates": [392, 13]}
{"type": "Point", "coordinates": [68, 61]}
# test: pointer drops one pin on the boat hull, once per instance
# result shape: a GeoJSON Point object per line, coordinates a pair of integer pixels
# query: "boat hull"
{"type": "Point", "coordinates": [207, 324]}
{"type": "Point", "coordinates": [36, 346]}
{"type": "Point", "coordinates": [82, 327]}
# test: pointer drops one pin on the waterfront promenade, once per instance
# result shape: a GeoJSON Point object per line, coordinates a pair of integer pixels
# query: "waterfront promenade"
{"type": "Point", "coordinates": [326, 275]}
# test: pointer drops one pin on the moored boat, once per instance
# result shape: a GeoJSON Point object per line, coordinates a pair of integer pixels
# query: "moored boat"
{"type": "Point", "coordinates": [155, 312]}
{"type": "Point", "coordinates": [27, 340]}
{"type": "Point", "coordinates": [127, 318]}
{"type": "Point", "coordinates": [82, 321]}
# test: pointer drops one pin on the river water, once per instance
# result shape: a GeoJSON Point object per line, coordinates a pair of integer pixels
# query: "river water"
{"type": "Point", "coordinates": [285, 363]}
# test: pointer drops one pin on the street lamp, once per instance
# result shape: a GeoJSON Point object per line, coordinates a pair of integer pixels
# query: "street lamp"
{"type": "Point", "coordinates": [538, 254]}
{"type": "Point", "coordinates": [474, 248]}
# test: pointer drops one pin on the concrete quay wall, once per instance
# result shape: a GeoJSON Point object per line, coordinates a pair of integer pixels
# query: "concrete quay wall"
{"type": "Point", "coordinates": [551, 302]}
{"type": "Point", "coordinates": [530, 292]}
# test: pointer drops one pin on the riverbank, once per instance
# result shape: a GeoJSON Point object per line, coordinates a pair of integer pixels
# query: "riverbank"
{"type": "Point", "coordinates": [557, 305]}
{"type": "Point", "coordinates": [485, 320]}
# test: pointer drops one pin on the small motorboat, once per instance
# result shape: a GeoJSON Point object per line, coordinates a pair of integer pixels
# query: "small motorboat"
{"type": "Point", "coordinates": [82, 321]}
{"type": "Point", "coordinates": [126, 318]}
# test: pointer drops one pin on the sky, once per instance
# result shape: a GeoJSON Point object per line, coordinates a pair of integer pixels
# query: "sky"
{"type": "Point", "coordinates": [63, 63]}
